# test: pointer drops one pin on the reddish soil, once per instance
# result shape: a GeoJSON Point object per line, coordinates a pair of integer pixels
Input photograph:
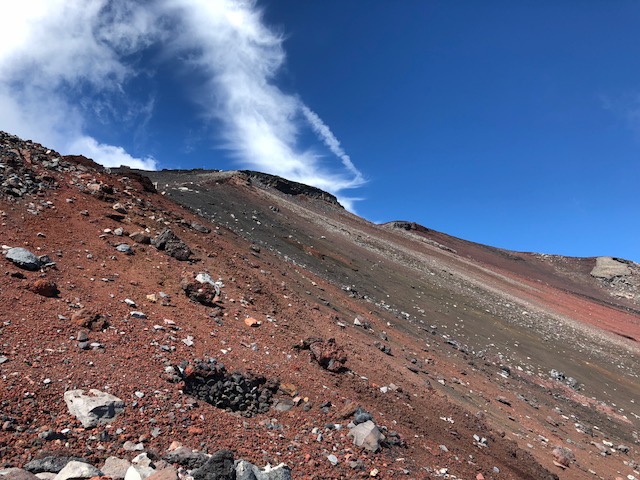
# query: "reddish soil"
{"type": "Point", "coordinates": [466, 358]}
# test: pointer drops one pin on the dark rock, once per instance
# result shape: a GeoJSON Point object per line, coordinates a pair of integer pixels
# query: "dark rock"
{"type": "Point", "coordinates": [51, 463]}
{"type": "Point", "coordinates": [361, 416]}
{"type": "Point", "coordinates": [23, 258]}
{"type": "Point", "coordinates": [172, 245]}
{"type": "Point", "coordinates": [187, 458]}
{"type": "Point", "coordinates": [219, 467]}
{"type": "Point", "coordinates": [200, 228]}
{"type": "Point", "coordinates": [140, 237]}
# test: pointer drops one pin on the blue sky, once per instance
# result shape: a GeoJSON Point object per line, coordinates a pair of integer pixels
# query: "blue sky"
{"type": "Point", "coordinates": [514, 124]}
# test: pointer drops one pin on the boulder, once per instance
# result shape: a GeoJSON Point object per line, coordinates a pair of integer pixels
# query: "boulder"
{"type": "Point", "coordinates": [367, 436]}
{"type": "Point", "coordinates": [93, 408]}
{"type": "Point", "coordinates": [23, 258]}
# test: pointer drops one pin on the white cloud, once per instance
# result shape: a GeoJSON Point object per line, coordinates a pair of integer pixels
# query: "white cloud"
{"type": "Point", "coordinates": [109, 155]}
{"type": "Point", "coordinates": [50, 51]}
{"type": "Point", "coordinates": [62, 66]}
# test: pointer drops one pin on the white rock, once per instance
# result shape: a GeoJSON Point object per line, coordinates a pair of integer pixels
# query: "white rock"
{"type": "Point", "coordinates": [76, 469]}
{"type": "Point", "coordinates": [138, 472]}
{"type": "Point", "coordinates": [93, 408]}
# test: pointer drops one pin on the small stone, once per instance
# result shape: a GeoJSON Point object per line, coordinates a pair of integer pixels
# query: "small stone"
{"type": "Point", "coordinates": [124, 248]}
{"type": "Point", "coordinates": [130, 302]}
{"type": "Point", "coordinates": [120, 208]}
{"type": "Point", "coordinates": [136, 314]}
{"type": "Point", "coordinates": [252, 322]}
{"type": "Point", "coordinates": [333, 459]}
{"type": "Point", "coordinates": [130, 446]}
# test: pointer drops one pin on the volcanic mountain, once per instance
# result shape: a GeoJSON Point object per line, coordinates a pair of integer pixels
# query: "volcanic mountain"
{"type": "Point", "coordinates": [235, 310]}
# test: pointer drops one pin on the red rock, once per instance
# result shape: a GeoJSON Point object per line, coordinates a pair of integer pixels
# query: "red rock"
{"type": "Point", "coordinates": [329, 355]}
{"type": "Point", "coordinates": [87, 318]}
{"type": "Point", "coordinates": [46, 288]}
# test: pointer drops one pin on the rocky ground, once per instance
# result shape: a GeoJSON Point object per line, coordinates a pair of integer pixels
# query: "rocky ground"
{"type": "Point", "coordinates": [243, 321]}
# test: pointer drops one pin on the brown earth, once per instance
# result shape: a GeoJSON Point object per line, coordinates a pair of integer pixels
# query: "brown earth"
{"type": "Point", "coordinates": [471, 332]}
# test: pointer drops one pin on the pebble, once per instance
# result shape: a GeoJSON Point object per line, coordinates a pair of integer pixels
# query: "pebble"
{"type": "Point", "coordinates": [333, 459]}
{"type": "Point", "coordinates": [136, 314]}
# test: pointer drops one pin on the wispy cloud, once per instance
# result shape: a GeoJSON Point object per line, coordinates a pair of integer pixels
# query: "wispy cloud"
{"type": "Point", "coordinates": [67, 63]}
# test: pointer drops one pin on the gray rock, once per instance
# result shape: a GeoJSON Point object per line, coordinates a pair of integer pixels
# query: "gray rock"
{"type": "Point", "coordinates": [130, 446]}
{"type": "Point", "coordinates": [93, 408]}
{"type": "Point", "coordinates": [23, 258]}
{"type": "Point", "coordinates": [247, 471]}
{"type": "Point", "coordinates": [172, 245]}
{"type": "Point", "coordinates": [219, 467]}
{"type": "Point", "coordinates": [283, 405]}
{"type": "Point", "coordinates": [187, 458]}
{"type": "Point", "coordinates": [367, 436]}
{"type": "Point", "coordinates": [115, 467]}
{"type": "Point", "coordinates": [608, 268]}
{"type": "Point", "coordinates": [333, 459]}
{"type": "Point", "coordinates": [51, 463]}
{"type": "Point", "coordinates": [74, 469]}
{"type": "Point", "coordinates": [125, 248]}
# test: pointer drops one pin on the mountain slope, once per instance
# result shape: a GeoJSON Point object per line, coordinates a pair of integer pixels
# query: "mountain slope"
{"type": "Point", "coordinates": [438, 346]}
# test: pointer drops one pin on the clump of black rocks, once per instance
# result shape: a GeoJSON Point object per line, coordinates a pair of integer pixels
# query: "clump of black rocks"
{"type": "Point", "coordinates": [208, 380]}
